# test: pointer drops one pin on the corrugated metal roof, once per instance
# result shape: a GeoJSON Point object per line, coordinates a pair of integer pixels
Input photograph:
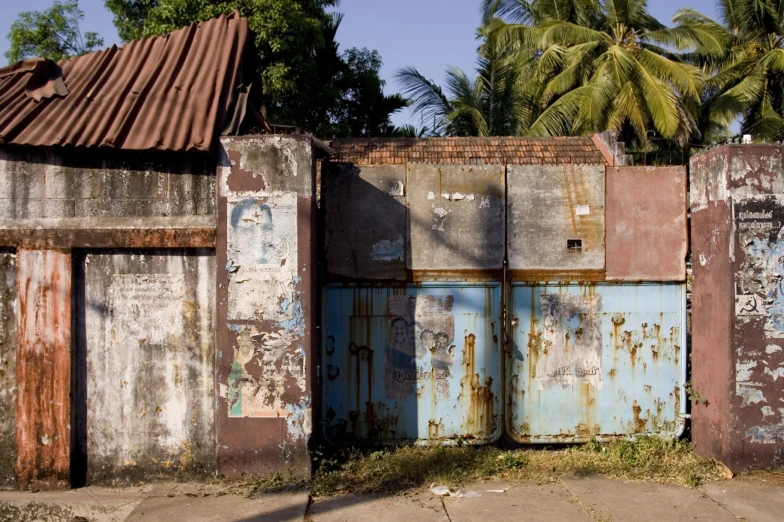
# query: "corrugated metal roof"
{"type": "Point", "coordinates": [170, 92]}
{"type": "Point", "coordinates": [496, 150]}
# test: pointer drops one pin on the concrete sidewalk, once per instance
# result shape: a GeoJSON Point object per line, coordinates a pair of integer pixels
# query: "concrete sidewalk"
{"type": "Point", "coordinates": [572, 499]}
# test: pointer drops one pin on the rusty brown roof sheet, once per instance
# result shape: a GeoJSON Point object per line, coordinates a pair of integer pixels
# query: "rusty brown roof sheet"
{"type": "Point", "coordinates": [496, 150]}
{"type": "Point", "coordinates": [170, 92]}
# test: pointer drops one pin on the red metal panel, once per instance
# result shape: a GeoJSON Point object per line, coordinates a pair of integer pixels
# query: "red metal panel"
{"type": "Point", "coordinates": [646, 238]}
{"type": "Point", "coordinates": [43, 369]}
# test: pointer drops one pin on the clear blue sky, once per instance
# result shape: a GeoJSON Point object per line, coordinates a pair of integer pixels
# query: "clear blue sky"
{"type": "Point", "coordinates": [428, 34]}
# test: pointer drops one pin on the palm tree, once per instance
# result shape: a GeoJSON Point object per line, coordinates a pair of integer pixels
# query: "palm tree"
{"type": "Point", "coordinates": [600, 65]}
{"type": "Point", "coordinates": [482, 106]}
{"type": "Point", "coordinates": [745, 56]}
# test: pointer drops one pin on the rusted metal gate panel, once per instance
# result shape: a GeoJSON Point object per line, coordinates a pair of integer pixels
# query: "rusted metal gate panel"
{"type": "Point", "coordinates": [146, 340]}
{"type": "Point", "coordinates": [595, 361]}
{"type": "Point", "coordinates": [415, 362]}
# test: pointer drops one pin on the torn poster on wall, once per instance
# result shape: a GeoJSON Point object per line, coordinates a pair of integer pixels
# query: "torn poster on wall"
{"type": "Point", "coordinates": [268, 369]}
{"type": "Point", "coordinates": [758, 281]}
{"type": "Point", "coordinates": [262, 257]}
{"type": "Point", "coordinates": [263, 368]}
{"type": "Point", "coordinates": [571, 341]}
{"type": "Point", "coordinates": [421, 344]}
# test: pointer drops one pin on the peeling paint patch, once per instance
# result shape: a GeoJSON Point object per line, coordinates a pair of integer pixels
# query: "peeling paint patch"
{"type": "Point", "coordinates": [778, 372]}
{"type": "Point", "coordinates": [431, 196]}
{"type": "Point", "coordinates": [298, 420]}
{"type": "Point", "coordinates": [769, 434]}
{"type": "Point", "coordinates": [387, 250]}
{"type": "Point", "coordinates": [440, 215]}
{"type": "Point", "coordinates": [567, 358]}
{"type": "Point", "coordinates": [397, 189]}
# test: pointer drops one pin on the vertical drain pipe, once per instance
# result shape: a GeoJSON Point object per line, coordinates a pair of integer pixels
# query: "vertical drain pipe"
{"type": "Point", "coordinates": [505, 350]}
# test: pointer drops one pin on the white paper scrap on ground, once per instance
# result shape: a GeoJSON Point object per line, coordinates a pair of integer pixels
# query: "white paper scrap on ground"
{"type": "Point", "coordinates": [439, 490]}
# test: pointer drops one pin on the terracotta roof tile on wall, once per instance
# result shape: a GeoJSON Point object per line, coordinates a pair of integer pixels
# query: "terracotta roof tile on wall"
{"type": "Point", "coordinates": [512, 151]}
{"type": "Point", "coordinates": [170, 92]}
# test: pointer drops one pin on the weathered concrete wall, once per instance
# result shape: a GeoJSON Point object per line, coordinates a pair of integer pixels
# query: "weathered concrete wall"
{"type": "Point", "coordinates": [366, 232]}
{"type": "Point", "coordinates": [43, 368]}
{"type": "Point", "coordinates": [737, 203]}
{"type": "Point", "coordinates": [148, 339]}
{"type": "Point", "coordinates": [74, 184]}
{"type": "Point", "coordinates": [396, 222]}
{"type": "Point", "coordinates": [7, 369]}
{"type": "Point", "coordinates": [647, 236]}
{"type": "Point", "coordinates": [456, 217]}
{"type": "Point", "coordinates": [266, 299]}
{"type": "Point", "coordinates": [549, 205]}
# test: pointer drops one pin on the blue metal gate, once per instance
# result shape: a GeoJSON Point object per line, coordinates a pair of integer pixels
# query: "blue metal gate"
{"type": "Point", "coordinates": [413, 362]}
{"type": "Point", "coordinates": [595, 360]}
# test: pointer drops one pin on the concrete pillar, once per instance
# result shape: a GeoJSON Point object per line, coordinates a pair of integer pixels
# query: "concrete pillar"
{"type": "Point", "coordinates": [265, 249]}
{"type": "Point", "coordinates": [43, 369]}
{"type": "Point", "coordinates": [737, 206]}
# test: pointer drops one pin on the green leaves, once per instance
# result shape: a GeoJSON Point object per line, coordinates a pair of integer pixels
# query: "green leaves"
{"type": "Point", "coordinates": [52, 33]}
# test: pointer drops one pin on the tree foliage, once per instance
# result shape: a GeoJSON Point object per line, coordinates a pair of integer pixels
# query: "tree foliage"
{"type": "Point", "coordinates": [304, 80]}
{"type": "Point", "coordinates": [52, 33]}
{"type": "Point", "coordinates": [744, 57]}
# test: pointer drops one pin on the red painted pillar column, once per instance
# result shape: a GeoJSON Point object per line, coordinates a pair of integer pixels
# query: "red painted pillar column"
{"type": "Point", "coordinates": [265, 252]}
{"type": "Point", "coordinates": [43, 369]}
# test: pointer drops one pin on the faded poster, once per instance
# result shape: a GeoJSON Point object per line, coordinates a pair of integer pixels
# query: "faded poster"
{"type": "Point", "coordinates": [758, 282]}
{"type": "Point", "coordinates": [421, 344]}
{"type": "Point", "coordinates": [264, 367]}
{"type": "Point", "coordinates": [571, 341]}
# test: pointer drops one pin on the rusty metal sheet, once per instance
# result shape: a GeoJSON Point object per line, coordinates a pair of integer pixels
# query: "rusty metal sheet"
{"type": "Point", "coordinates": [411, 363]}
{"type": "Point", "coordinates": [169, 92]}
{"type": "Point", "coordinates": [7, 369]}
{"type": "Point", "coordinates": [43, 369]}
{"type": "Point", "coordinates": [147, 334]}
{"type": "Point", "coordinates": [456, 216]}
{"type": "Point", "coordinates": [596, 361]}
{"type": "Point", "coordinates": [647, 238]}
{"type": "Point", "coordinates": [366, 228]}
{"type": "Point", "coordinates": [556, 217]}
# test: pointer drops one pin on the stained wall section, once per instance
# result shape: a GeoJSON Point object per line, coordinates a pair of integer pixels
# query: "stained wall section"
{"type": "Point", "coordinates": [148, 340]}
{"type": "Point", "coordinates": [266, 300]}
{"type": "Point", "coordinates": [556, 217]}
{"type": "Point", "coordinates": [7, 369]}
{"type": "Point", "coordinates": [737, 204]}
{"type": "Point", "coordinates": [37, 184]}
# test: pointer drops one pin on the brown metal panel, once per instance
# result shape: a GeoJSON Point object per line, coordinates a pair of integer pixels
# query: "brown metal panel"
{"type": "Point", "coordinates": [43, 369]}
{"type": "Point", "coordinates": [7, 369]}
{"type": "Point", "coordinates": [170, 92]}
{"type": "Point", "coordinates": [265, 312]}
{"type": "Point", "coordinates": [646, 238]}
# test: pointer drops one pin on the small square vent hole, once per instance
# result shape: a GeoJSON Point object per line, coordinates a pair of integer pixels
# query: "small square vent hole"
{"type": "Point", "coordinates": [574, 246]}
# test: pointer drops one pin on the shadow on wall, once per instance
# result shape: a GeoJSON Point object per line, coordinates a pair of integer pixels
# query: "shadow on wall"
{"type": "Point", "coordinates": [402, 360]}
